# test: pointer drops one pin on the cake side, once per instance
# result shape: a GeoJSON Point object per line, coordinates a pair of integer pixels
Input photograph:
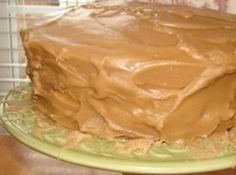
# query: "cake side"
{"type": "Point", "coordinates": [139, 71]}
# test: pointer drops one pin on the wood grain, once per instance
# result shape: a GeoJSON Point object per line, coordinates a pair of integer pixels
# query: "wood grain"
{"type": "Point", "coordinates": [18, 159]}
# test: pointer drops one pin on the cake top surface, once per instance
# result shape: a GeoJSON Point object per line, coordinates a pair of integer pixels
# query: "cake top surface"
{"type": "Point", "coordinates": [138, 32]}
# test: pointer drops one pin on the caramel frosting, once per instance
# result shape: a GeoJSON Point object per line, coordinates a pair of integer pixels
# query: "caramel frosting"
{"type": "Point", "coordinates": [135, 70]}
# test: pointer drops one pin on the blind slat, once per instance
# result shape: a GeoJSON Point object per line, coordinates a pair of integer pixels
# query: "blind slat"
{"type": "Point", "coordinates": [6, 80]}
{"type": "Point", "coordinates": [12, 65]}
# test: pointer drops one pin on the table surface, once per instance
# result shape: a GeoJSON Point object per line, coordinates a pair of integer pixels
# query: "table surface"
{"type": "Point", "coordinates": [18, 159]}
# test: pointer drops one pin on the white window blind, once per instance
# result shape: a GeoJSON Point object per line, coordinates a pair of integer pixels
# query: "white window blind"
{"type": "Point", "coordinates": [10, 65]}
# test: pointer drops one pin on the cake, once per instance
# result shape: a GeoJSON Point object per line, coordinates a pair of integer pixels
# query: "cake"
{"type": "Point", "coordinates": [135, 70]}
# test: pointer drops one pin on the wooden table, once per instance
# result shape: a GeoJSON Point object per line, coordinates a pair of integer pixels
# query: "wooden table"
{"type": "Point", "coordinates": [18, 159]}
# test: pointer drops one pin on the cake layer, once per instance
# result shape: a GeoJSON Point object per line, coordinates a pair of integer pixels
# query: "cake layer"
{"type": "Point", "coordinates": [135, 70]}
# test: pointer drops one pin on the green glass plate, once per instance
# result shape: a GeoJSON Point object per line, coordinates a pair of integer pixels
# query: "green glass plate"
{"type": "Point", "coordinates": [19, 119]}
